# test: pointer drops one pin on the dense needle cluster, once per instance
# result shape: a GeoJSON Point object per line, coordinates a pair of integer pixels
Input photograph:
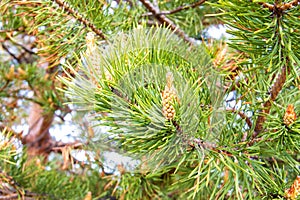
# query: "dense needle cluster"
{"type": "Point", "coordinates": [169, 97]}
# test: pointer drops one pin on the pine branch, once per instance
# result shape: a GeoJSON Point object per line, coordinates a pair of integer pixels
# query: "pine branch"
{"type": "Point", "coordinates": [80, 18]}
{"type": "Point", "coordinates": [164, 20]}
{"type": "Point", "coordinates": [178, 9]}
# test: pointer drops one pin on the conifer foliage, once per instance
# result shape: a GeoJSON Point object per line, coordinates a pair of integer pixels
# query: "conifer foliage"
{"type": "Point", "coordinates": [200, 118]}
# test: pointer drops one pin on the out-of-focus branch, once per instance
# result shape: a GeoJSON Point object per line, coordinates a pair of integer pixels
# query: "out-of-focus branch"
{"type": "Point", "coordinates": [151, 23]}
{"type": "Point", "coordinates": [21, 28]}
{"type": "Point", "coordinates": [4, 86]}
{"type": "Point", "coordinates": [242, 115]}
{"type": "Point", "coordinates": [129, 2]}
{"type": "Point", "coordinates": [166, 21]}
{"type": "Point", "coordinates": [178, 9]}
{"type": "Point", "coordinates": [10, 53]}
{"type": "Point", "coordinates": [10, 189]}
{"type": "Point", "coordinates": [8, 36]}
{"type": "Point", "coordinates": [80, 18]}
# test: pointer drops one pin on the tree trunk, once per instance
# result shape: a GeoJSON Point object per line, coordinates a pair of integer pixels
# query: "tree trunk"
{"type": "Point", "coordinates": [38, 140]}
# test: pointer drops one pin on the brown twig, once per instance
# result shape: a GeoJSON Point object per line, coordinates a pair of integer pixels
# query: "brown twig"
{"type": "Point", "coordinates": [280, 7]}
{"type": "Point", "coordinates": [178, 9]}
{"type": "Point", "coordinates": [80, 18]}
{"type": "Point", "coordinates": [58, 146]}
{"type": "Point", "coordinates": [276, 88]}
{"type": "Point", "coordinates": [242, 115]}
{"type": "Point", "coordinates": [166, 21]}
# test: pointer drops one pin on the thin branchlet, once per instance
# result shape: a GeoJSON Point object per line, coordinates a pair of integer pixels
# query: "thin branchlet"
{"type": "Point", "coordinates": [276, 88]}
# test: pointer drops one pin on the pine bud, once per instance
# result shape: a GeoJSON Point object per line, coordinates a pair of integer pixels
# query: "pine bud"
{"type": "Point", "coordinates": [93, 56]}
{"type": "Point", "coordinates": [169, 97]}
{"type": "Point", "coordinates": [290, 115]}
{"type": "Point", "coordinates": [294, 190]}
{"type": "Point", "coordinates": [91, 50]}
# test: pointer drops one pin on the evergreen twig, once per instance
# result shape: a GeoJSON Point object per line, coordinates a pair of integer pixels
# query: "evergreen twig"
{"type": "Point", "coordinates": [243, 116]}
{"type": "Point", "coordinates": [164, 20]}
{"type": "Point", "coordinates": [10, 53]}
{"type": "Point", "coordinates": [9, 37]}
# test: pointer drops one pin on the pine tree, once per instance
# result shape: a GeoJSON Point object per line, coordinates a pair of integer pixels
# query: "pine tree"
{"type": "Point", "coordinates": [202, 118]}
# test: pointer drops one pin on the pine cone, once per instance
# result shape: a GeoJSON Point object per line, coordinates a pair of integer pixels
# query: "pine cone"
{"type": "Point", "coordinates": [294, 190]}
{"type": "Point", "coordinates": [290, 115]}
{"type": "Point", "coordinates": [169, 97]}
{"type": "Point", "coordinates": [91, 50]}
